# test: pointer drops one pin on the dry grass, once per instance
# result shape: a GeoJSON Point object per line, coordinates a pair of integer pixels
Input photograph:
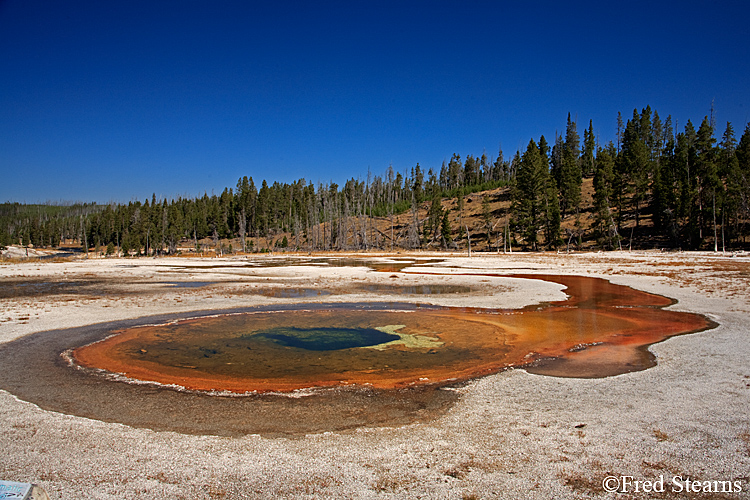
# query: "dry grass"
{"type": "Point", "coordinates": [660, 435]}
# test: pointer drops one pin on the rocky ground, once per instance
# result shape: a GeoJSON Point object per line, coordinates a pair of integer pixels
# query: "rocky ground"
{"type": "Point", "coordinates": [509, 435]}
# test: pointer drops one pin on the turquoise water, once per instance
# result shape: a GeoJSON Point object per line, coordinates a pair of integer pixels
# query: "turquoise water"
{"type": "Point", "coordinates": [323, 338]}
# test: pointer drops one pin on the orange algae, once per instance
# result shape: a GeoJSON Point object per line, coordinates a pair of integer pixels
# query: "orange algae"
{"type": "Point", "coordinates": [601, 329]}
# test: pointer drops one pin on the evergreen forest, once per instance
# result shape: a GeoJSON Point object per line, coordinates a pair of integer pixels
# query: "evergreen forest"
{"type": "Point", "coordinates": [654, 186]}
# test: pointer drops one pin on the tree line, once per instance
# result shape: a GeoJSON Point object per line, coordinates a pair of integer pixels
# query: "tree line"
{"type": "Point", "coordinates": [693, 190]}
{"type": "Point", "coordinates": [322, 217]}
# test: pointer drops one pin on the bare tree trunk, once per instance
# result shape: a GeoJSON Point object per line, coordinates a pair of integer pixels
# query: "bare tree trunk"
{"type": "Point", "coordinates": [164, 221]}
{"type": "Point", "coordinates": [507, 234]}
{"type": "Point", "coordinates": [716, 238]}
{"type": "Point", "coordinates": [243, 228]}
{"type": "Point", "coordinates": [630, 243]}
{"type": "Point", "coordinates": [85, 237]}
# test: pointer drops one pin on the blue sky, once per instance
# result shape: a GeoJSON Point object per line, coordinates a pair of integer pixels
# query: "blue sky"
{"type": "Point", "coordinates": [114, 101]}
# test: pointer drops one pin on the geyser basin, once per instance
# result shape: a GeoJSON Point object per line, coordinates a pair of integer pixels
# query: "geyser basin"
{"type": "Point", "coordinates": [601, 329]}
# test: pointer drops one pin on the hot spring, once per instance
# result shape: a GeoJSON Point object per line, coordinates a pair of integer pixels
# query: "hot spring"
{"type": "Point", "coordinates": [291, 369]}
{"type": "Point", "coordinates": [601, 329]}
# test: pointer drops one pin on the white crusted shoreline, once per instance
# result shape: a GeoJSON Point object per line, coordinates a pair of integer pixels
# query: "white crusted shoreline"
{"type": "Point", "coordinates": [511, 435]}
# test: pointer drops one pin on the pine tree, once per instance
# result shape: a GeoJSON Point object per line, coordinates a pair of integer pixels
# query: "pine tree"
{"type": "Point", "coordinates": [544, 151]}
{"type": "Point", "coordinates": [685, 158]}
{"type": "Point", "coordinates": [434, 218]}
{"type": "Point", "coordinates": [656, 136]}
{"type": "Point", "coordinates": [455, 172]}
{"type": "Point", "coordinates": [471, 171]}
{"type": "Point", "coordinates": [500, 168]}
{"type": "Point", "coordinates": [418, 184]}
{"type": "Point", "coordinates": [570, 179]}
{"type": "Point", "coordinates": [445, 229]}
{"type": "Point", "coordinates": [707, 180]}
{"type": "Point", "coordinates": [743, 181]}
{"type": "Point", "coordinates": [531, 196]}
{"type": "Point", "coordinates": [632, 166]}
{"type": "Point", "coordinates": [553, 219]}
{"type": "Point", "coordinates": [552, 215]}
{"type": "Point", "coordinates": [728, 166]}
{"type": "Point", "coordinates": [589, 148]}
{"type": "Point", "coordinates": [665, 188]}
{"type": "Point", "coordinates": [604, 223]}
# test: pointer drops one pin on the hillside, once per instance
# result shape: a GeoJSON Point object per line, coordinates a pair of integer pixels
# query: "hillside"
{"type": "Point", "coordinates": [388, 233]}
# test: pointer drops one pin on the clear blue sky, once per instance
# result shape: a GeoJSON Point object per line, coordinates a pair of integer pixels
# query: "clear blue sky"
{"type": "Point", "coordinates": [113, 101]}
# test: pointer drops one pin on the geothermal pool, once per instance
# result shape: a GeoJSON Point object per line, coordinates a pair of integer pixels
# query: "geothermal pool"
{"type": "Point", "coordinates": [299, 368]}
{"type": "Point", "coordinates": [602, 329]}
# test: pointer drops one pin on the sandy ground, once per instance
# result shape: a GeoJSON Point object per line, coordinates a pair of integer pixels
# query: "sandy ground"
{"type": "Point", "coordinates": [509, 435]}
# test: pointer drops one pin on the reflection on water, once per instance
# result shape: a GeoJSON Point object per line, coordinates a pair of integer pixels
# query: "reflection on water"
{"type": "Point", "coordinates": [600, 330]}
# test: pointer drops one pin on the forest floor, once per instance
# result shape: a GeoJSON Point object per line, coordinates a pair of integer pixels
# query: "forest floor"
{"type": "Point", "coordinates": [508, 435]}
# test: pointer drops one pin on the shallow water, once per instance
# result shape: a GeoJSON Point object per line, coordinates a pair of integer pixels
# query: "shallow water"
{"type": "Point", "coordinates": [433, 289]}
{"type": "Point", "coordinates": [52, 384]}
{"type": "Point", "coordinates": [189, 284]}
{"type": "Point", "coordinates": [389, 264]}
{"type": "Point", "coordinates": [32, 287]}
{"type": "Point", "coordinates": [293, 293]}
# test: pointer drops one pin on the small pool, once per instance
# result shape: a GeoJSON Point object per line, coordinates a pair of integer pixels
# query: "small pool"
{"type": "Point", "coordinates": [292, 293]}
{"type": "Point", "coordinates": [432, 289]}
